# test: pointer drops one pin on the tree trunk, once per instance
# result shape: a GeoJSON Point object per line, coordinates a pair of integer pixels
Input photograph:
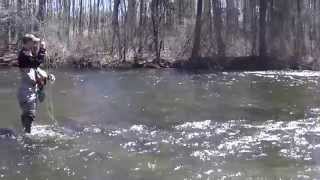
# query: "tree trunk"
{"type": "Point", "coordinates": [74, 16]}
{"type": "Point", "coordinates": [253, 6]}
{"type": "Point", "coordinates": [209, 19]}
{"type": "Point", "coordinates": [7, 38]}
{"type": "Point", "coordinates": [230, 17]}
{"type": "Point", "coordinates": [156, 27]}
{"type": "Point", "coordinates": [180, 11]}
{"type": "Point", "coordinates": [132, 14]}
{"type": "Point", "coordinates": [80, 17]}
{"type": "Point", "coordinates": [197, 32]}
{"type": "Point", "coordinates": [141, 28]}
{"type": "Point", "coordinates": [116, 27]}
{"type": "Point", "coordinates": [67, 20]}
{"type": "Point", "coordinates": [131, 21]}
{"type": "Point", "coordinates": [19, 16]}
{"type": "Point", "coordinates": [42, 10]}
{"type": "Point", "coordinates": [299, 39]}
{"type": "Point", "coordinates": [97, 24]}
{"type": "Point", "coordinates": [262, 28]}
{"type": "Point", "coordinates": [91, 23]}
{"type": "Point", "coordinates": [218, 28]}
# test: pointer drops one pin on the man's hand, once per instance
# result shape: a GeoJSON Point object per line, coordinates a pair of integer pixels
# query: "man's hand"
{"type": "Point", "coordinates": [43, 45]}
{"type": "Point", "coordinates": [51, 78]}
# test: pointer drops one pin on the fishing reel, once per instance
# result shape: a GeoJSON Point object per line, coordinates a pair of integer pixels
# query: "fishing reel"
{"type": "Point", "coordinates": [51, 78]}
{"type": "Point", "coordinates": [41, 93]}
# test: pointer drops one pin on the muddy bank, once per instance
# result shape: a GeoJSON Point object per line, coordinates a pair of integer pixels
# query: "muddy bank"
{"type": "Point", "coordinates": [248, 63]}
{"type": "Point", "coordinates": [8, 60]}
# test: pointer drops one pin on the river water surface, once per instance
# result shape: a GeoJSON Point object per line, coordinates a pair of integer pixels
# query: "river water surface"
{"type": "Point", "coordinates": [166, 125]}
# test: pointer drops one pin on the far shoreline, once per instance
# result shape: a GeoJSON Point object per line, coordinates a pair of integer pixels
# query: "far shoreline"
{"type": "Point", "coordinates": [217, 64]}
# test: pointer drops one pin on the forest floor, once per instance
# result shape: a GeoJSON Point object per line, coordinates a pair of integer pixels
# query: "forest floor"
{"type": "Point", "coordinates": [247, 63]}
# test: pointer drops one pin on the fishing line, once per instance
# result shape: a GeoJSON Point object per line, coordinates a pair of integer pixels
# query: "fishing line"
{"type": "Point", "coordinates": [49, 100]}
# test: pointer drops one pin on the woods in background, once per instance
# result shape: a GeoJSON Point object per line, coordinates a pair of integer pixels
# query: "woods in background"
{"type": "Point", "coordinates": [167, 29]}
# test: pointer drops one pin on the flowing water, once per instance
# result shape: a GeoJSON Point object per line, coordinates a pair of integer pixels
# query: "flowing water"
{"type": "Point", "coordinates": [158, 125]}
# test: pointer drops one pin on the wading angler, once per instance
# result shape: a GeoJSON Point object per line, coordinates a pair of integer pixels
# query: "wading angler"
{"type": "Point", "coordinates": [33, 78]}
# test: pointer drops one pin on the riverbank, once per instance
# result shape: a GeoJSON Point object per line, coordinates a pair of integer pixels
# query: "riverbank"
{"type": "Point", "coordinates": [247, 63]}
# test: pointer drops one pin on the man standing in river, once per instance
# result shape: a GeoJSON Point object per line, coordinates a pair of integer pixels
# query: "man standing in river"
{"type": "Point", "coordinates": [32, 80]}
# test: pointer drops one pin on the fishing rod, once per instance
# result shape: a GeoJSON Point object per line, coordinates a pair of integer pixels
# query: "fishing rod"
{"type": "Point", "coordinates": [49, 101]}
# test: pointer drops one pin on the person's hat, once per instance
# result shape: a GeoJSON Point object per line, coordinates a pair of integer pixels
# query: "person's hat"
{"type": "Point", "coordinates": [30, 37]}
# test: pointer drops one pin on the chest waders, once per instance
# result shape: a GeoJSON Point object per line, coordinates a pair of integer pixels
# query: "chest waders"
{"type": "Point", "coordinates": [30, 95]}
{"type": "Point", "coordinates": [28, 98]}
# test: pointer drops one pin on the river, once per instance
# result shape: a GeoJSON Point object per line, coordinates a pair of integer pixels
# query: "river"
{"type": "Point", "coordinates": [165, 125]}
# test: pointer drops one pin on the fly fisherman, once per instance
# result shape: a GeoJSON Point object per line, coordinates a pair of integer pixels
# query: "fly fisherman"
{"type": "Point", "coordinates": [33, 79]}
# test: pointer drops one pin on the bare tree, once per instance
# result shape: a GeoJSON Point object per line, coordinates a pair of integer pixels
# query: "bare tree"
{"type": "Point", "coordinates": [156, 19]}
{"type": "Point", "coordinates": [141, 26]}
{"type": "Point", "coordinates": [197, 32]}
{"type": "Point", "coordinates": [116, 27]}
{"type": "Point", "coordinates": [42, 10]}
{"type": "Point", "coordinates": [80, 17]}
{"type": "Point", "coordinates": [169, 28]}
{"type": "Point", "coordinates": [262, 28]}
{"type": "Point", "coordinates": [218, 27]}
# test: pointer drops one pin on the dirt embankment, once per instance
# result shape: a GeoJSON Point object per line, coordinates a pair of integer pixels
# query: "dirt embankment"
{"type": "Point", "coordinates": [248, 63]}
{"type": "Point", "coordinates": [8, 60]}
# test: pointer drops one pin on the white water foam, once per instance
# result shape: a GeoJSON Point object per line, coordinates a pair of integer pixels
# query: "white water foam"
{"type": "Point", "coordinates": [47, 132]}
{"type": "Point", "coordinates": [285, 73]}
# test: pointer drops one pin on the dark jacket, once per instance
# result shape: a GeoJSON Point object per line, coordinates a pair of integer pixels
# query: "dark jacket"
{"type": "Point", "coordinates": [25, 60]}
{"type": "Point", "coordinates": [29, 65]}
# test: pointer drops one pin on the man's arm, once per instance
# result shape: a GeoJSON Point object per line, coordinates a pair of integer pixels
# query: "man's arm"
{"type": "Point", "coordinates": [26, 60]}
{"type": "Point", "coordinates": [41, 56]}
{"type": "Point", "coordinates": [42, 53]}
